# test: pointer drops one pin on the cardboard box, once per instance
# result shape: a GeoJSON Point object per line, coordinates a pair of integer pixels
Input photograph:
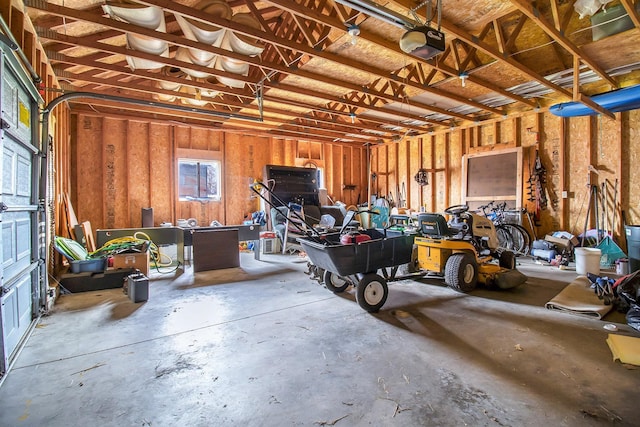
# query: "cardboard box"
{"type": "Point", "coordinates": [560, 242]}
{"type": "Point", "coordinates": [133, 260]}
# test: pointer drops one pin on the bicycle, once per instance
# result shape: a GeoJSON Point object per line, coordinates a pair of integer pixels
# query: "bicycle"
{"type": "Point", "coordinates": [511, 236]}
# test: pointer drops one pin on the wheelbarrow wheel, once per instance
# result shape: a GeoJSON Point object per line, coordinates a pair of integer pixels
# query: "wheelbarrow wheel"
{"type": "Point", "coordinates": [335, 283]}
{"type": "Point", "coordinates": [461, 272]}
{"type": "Point", "coordinates": [372, 292]}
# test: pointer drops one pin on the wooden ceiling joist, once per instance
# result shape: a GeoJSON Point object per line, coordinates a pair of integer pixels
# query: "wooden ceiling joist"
{"type": "Point", "coordinates": [534, 14]}
{"type": "Point", "coordinates": [315, 83]}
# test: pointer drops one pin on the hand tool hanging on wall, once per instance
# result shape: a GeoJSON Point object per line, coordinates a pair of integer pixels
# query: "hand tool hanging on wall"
{"type": "Point", "coordinates": [605, 209]}
{"type": "Point", "coordinates": [530, 185]}
{"type": "Point", "coordinates": [403, 196]}
{"type": "Point", "coordinates": [615, 209]}
{"type": "Point", "coordinates": [537, 190]}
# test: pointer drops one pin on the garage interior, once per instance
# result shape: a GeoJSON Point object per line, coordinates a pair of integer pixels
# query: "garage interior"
{"type": "Point", "coordinates": [415, 107]}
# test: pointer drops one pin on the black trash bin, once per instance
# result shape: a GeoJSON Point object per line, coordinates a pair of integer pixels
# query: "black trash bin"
{"type": "Point", "coordinates": [633, 246]}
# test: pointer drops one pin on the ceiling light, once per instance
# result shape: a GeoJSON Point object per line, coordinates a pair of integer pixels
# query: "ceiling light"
{"type": "Point", "coordinates": [463, 77]}
{"type": "Point", "coordinates": [354, 32]}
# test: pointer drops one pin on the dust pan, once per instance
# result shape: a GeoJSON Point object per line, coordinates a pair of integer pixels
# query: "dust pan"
{"type": "Point", "coordinates": [624, 348]}
{"type": "Point", "coordinates": [610, 252]}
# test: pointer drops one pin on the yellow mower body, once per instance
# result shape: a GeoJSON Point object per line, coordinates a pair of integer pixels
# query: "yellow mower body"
{"type": "Point", "coordinates": [434, 253]}
{"type": "Point", "coordinates": [465, 261]}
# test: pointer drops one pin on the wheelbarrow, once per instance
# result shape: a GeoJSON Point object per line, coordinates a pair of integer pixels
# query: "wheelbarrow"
{"type": "Point", "coordinates": [368, 265]}
{"type": "Point", "coordinates": [339, 264]}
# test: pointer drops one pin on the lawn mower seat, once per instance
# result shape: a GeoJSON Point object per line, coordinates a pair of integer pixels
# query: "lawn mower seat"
{"type": "Point", "coordinates": [433, 225]}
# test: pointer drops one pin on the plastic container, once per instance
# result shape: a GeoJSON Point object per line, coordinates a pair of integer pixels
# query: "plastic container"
{"type": "Point", "coordinates": [588, 261]}
{"type": "Point", "coordinates": [633, 246]}
{"type": "Point", "coordinates": [89, 265]}
{"type": "Point", "coordinates": [622, 267]}
{"type": "Point", "coordinates": [138, 287]}
{"type": "Point", "coordinates": [545, 254]}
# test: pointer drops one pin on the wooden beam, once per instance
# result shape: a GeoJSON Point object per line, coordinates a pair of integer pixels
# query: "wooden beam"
{"type": "Point", "coordinates": [76, 41]}
{"type": "Point", "coordinates": [58, 57]}
{"type": "Point", "coordinates": [534, 14]}
{"type": "Point", "coordinates": [576, 78]}
{"type": "Point", "coordinates": [583, 99]}
{"type": "Point", "coordinates": [269, 38]}
{"type": "Point", "coordinates": [515, 33]}
{"type": "Point", "coordinates": [555, 13]}
{"type": "Point", "coordinates": [499, 36]}
{"type": "Point", "coordinates": [363, 125]}
{"type": "Point", "coordinates": [477, 43]}
{"type": "Point", "coordinates": [631, 11]}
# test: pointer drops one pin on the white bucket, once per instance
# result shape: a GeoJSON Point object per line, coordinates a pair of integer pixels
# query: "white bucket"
{"type": "Point", "coordinates": [588, 261]}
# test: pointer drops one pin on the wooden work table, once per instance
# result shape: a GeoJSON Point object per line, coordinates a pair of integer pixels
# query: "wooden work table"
{"type": "Point", "coordinates": [210, 244]}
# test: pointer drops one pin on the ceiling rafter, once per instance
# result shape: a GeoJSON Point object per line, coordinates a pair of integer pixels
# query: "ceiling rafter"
{"type": "Point", "coordinates": [534, 14]}
{"type": "Point", "coordinates": [308, 34]}
{"type": "Point", "coordinates": [56, 56]}
{"type": "Point", "coordinates": [91, 77]}
{"type": "Point", "coordinates": [55, 9]}
{"type": "Point", "coordinates": [154, 114]}
{"type": "Point", "coordinates": [497, 29]}
{"type": "Point", "coordinates": [476, 43]}
{"type": "Point", "coordinates": [436, 65]}
{"type": "Point", "coordinates": [295, 8]}
{"type": "Point", "coordinates": [511, 41]}
{"type": "Point", "coordinates": [312, 81]}
{"type": "Point", "coordinates": [356, 65]}
{"type": "Point", "coordinates": [631, 11]}
{"type": "Point", "coordinates": [555, 14]}
{"type": "Point", "coordinates": [270, 119]}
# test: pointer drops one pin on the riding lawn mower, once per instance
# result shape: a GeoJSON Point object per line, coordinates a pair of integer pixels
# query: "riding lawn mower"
{"type": "Point", "coordinates": [464, 250]}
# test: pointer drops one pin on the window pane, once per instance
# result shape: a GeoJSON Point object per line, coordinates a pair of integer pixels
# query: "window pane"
{"type": "Point", "coordinates": [199, 180]}
{"type": "Point", "coordinates": [188, 180]}
{"type": "Point", "coordinates": [209, 180]}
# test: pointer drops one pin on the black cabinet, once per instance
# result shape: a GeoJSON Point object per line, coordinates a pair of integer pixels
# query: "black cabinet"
{"type": "Point", "coordinates": [292, 184]}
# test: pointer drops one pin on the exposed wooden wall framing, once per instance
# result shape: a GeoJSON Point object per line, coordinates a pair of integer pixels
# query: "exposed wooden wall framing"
{"type": "Point", "coordinates": [121, 166]}
{"type": "Point", "coordinates": [112, 167]}
{"type": "Point", "coordinates": [566, 146]}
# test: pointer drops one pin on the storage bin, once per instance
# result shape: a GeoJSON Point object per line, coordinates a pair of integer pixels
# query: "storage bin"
{"type": "Point", "coordinates": [97, 265]}
{"type": "Point", "coordinates": [588, 261]}
{"type": "Point", "coordinates": [138, 287]}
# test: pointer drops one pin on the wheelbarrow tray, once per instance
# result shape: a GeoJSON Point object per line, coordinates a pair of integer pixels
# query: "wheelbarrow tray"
{"type": "Point", "coordinates": [364, 257]}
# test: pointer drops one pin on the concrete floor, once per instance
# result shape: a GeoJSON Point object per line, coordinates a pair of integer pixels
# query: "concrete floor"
{"type": "Point", "coordinates": [263, 345]}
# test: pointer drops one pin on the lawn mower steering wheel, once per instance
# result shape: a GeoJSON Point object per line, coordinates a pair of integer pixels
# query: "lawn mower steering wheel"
{"type": "Point", "coordinates": [456, 210]}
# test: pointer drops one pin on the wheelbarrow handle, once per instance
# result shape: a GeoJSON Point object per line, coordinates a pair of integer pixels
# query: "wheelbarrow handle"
{"type": "Point", "coordinates": [257, 188]}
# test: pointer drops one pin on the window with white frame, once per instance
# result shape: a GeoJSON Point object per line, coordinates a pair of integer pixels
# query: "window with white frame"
{"type": "Point", "coordinates": [199, 179]}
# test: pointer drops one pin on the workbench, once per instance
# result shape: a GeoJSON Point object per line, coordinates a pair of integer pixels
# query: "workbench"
{"type": "Point", "coordinates": [207, 242]}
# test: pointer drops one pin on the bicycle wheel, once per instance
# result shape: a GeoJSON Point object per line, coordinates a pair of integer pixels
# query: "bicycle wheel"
{"type": "Point", "coordinates": [527, 236]}
{"type": "Point", "coordinates": [505, 240]}
{"type": "Point", "coordinates": [518, 238]}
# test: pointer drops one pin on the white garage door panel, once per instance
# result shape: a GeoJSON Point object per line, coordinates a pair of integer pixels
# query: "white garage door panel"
{"type": "Point", "coordinates": [19, 274]}
{"type": "Point", "coordinates": [16, 313]}
{"type": "Point", "coordinates": [16, 108]}
{"type": "Point", "coordinates": [16, 173]}
{"type": "Point", "coordinates": [17, 225]}
{"type": "Point", "coordinates": [16, 243]}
